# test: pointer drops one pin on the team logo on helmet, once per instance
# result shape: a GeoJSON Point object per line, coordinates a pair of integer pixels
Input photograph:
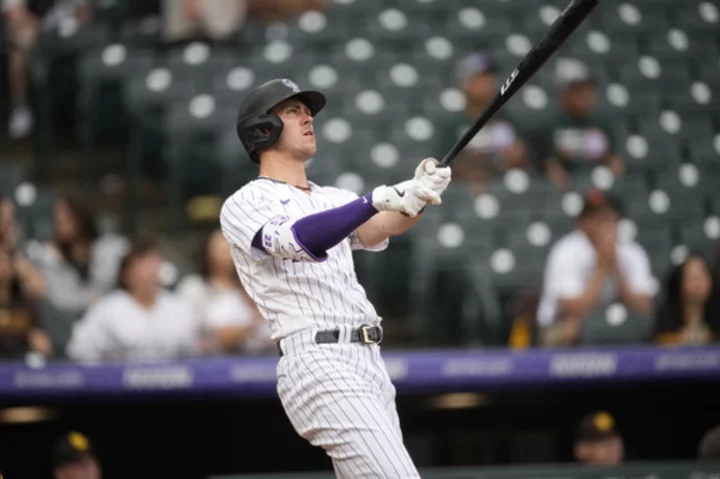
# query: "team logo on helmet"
{"type": "Point", "coordinates": [291, 84]}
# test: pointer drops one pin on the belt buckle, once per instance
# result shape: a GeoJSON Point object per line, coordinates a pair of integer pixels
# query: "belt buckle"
{"type": "Point", "coordinates": [365, 335]}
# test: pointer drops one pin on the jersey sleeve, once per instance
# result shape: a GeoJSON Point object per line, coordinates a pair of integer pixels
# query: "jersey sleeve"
{"type": "Point", "coordinates": [348, 196]}
{"type": "Point", "coordinates": [243, 215]}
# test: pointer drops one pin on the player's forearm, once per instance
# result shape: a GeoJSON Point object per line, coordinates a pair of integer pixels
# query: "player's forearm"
{"type": "Point", "coordinates": [384, 225]}
{"type": "Point", "coordinates": [310, 237]}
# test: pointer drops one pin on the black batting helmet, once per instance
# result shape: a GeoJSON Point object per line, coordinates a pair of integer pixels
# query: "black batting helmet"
{"type": "Point", "coordinates": [257, 127]}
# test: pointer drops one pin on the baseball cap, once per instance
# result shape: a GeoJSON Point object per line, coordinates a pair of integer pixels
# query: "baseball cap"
{"type": "Point", "coordinates": [596, 426]}
{"type": "Point", "coordinates": [596, 200]}
{"type": "Point", "coordinates": [474, 64]}
{"type": "Point", "coordinates": [72, 447]}
{"type": "Point", "coordinates": [570, 71]}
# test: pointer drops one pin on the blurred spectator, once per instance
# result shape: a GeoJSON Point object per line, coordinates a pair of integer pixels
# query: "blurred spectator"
{"type": "Point", "coordinates": [577, 138]}
{"type": "Point", "coordinates": [138, 321]}
{"type": "Point", "coordinates": [497, 147]}
{"type": "Point", "coordinates": [597, 442]}
{"type": "Point", "coordinates": [225, 311]}
{"type": "Point", "coordinates": [215, 20]}
{"type": "Point", "coordinates": [21, 329]}
{"type": "Point", "coordinates": [589, 269]}
{"type": "Point", "coordinates": [709, 449]}
{"type": "Point", "coordinates": [73, 458]}
{"type": "Point", "coordinates": [30, 278]}
{"type": "Point", "coordinates": [683, 317]}
{"type": "Point", "coordinates": [25, 19]}
{"type": "Point", "coordinates": [79, 264]}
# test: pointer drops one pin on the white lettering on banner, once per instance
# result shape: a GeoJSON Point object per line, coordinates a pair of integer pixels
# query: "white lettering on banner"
{"type": "Point", "coordinates": [246, 374]}
{"type": "Point", "coordinates": [583, 365]}
{"type": "Point", "coordinates": [687, 361]}
{"type": "Point", "coordinates": [396, 368]}
{"type": "Point", "coordinates": [166, 377]}
{"type": "Point", "coordinates": [41, 380]}
{"type": "Point", "coordinates": [477, 367]}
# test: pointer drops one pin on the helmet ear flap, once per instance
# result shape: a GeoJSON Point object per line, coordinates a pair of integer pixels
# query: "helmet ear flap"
{"type": "Point", "coordinates": [259, 133]}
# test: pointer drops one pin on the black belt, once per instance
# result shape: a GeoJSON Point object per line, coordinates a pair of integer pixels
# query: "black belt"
{"type": "Point", "coordinates": [364, 334]}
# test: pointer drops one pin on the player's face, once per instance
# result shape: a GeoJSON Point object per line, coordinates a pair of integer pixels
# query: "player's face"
{"type": "Point", "coordinates": [608, 452]}
{"type": "Point", "coordinates": [6, 268]}
{"type": "Point", "coordinates": [85, 469]}
{"type": "Point", "coordinates": [298, 135]}
{"type": "Point", "coordinates": [696, 281]}
{"type": "Point", "coordinates": [7, 215]}
{"type": "Point", "coordinates": [144, 273]}
{"type": "Point", "coordinates": [481, 88]}
{"type": "Point", "coordinates": [580, 99]}
{"type": "Point", "coordinates": [65, 222]}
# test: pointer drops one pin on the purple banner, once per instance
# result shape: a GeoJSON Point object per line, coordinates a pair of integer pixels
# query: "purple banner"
{"type": "Point", "coordinates": [439, 371]}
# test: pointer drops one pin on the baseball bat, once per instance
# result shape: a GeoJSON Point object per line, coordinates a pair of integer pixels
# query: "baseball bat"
{"type": "Point", "coordinates": [569, 19]}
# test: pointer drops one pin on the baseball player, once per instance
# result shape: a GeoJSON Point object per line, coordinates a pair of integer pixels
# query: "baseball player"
{"type": "Point", "coordinates": [292, 243]}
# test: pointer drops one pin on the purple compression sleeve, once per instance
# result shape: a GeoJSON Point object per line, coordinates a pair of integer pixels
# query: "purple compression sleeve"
{"type": "Point", "coordinates": [319, 232]}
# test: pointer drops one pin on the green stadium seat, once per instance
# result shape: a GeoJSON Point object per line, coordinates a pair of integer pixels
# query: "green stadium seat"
{"type": "Point", "coordinates": [11, 175]}
{"type": "Point", "coordinates": [696, 16]}
{"type": "Point", "coordinates": [141, 33]}
{"type": "Point", "coordinates": [480, 27]}
{"type": "Point", "coordinates": [627, 17]}
{"type": "Point", "coordinates": [596, 44]}
{"type": "Point", "coordinates": [676, 44]}
{"type": "Point", "coordinates": [647, 73]}
{"type": "Point", "coordinates": [615, 325]}
{"type": "Point", "coordinates": [198, 61]}
{"type": "Point", "coordinates": [703, 236]}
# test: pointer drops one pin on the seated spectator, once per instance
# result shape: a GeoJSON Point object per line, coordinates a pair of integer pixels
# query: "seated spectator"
{"type": "Point", "coordinates": [497, 147]}
{"type": "Point", "coordinates": [597, 442]}
{"type": "Point", "coordinates": [575, 138]}
{"type": "Point", "coordinates": [30, 278]}
{"type": "Point", "coordinates": [79, 264]}
{"type": "Point", "coordinates": [683, 317]}
{"type": "Point", "coordinates": [709, 449]}
{"type": "Point", "coordinates": [215, 20]}
{"type": "Point", "coordinates": [227, 315]}
{"type": "Point", "coordinates": [25, 19]}
{"type": "Point", "coordinates": [139, 320]}
{"type": "Point", "coordinates": [74, 458]}
{"type": "Point", "coordinates": [589, 269]}
{"type": "Point", "coordinates": [21, 329]}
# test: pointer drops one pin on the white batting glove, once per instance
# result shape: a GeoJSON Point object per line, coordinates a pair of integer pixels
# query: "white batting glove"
{"type": "Point", "coordinates": [408, 197]}
{"type": "Point", "coordinates": [436, 178]}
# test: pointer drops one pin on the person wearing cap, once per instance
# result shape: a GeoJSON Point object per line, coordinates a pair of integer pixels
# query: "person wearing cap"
{"type": "Point", "coordinates": [497, 147]}
{"type": "Point", "coordinates": [576, 139]}
{"type": "Point", "coordinates": [598, 442]}
{"type": "Point", "coordinates": [588, 270]}
{"type": "Point", "coordinates": [74, 458]}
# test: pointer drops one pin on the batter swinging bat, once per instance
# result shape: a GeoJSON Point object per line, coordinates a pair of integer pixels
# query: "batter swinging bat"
{"type": "Point", "coordinates": [560, 30]}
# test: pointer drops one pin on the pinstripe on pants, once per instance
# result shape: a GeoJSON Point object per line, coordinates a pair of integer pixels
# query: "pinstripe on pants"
{"type": "Point", "coordinates": [340, 397]}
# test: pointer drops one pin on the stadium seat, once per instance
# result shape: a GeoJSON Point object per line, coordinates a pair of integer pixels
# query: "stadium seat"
{"type": "Point", "coordinates": [696, 16]}
{"type": "Point", "coordinates": [141, 33]}
{"type": "Point", "coordinates": [615, 325]}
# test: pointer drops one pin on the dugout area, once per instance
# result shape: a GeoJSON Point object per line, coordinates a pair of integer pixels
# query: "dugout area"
{"type": "Point", "coordinates": [204, 436]}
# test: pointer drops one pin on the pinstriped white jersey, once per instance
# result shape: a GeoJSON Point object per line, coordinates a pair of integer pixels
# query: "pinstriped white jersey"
{"type": "Point", "coordinates": [294, 296]}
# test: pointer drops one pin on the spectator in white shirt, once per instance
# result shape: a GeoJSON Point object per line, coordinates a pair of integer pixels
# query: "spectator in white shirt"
{"type": "Point", "coordinates": [138, 321]}
{"type": "Point", "coordinates": [228, 317]}
{"type": "Point", "coordinates": [79, 264]}
{"type": "Point", "coordinates": [588, 270]}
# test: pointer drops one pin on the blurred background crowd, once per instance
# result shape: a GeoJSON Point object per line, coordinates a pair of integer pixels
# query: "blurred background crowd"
{"type": "Point", "coordinates": [586, 213]}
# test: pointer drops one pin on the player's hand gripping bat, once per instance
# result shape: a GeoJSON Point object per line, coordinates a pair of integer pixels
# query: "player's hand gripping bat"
{"type": "Point", "coordinates": [566, 23]}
